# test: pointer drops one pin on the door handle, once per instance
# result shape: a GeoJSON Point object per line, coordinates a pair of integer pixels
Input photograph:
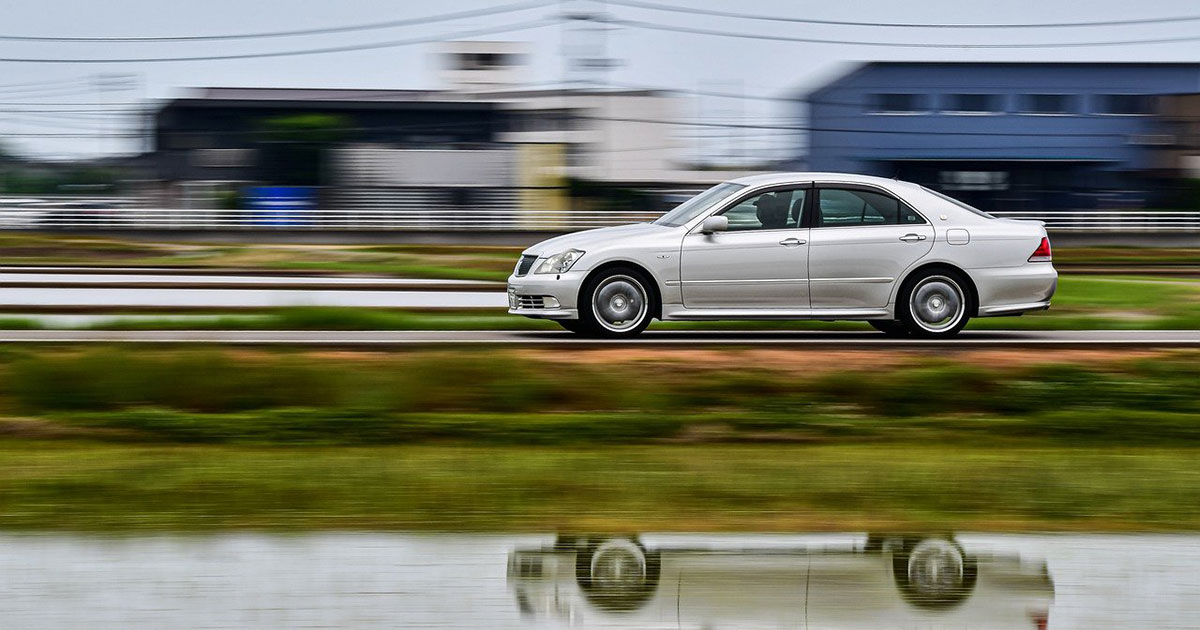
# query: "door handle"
{"type": "Point", "coordinates": [912, 238]}
{"type": "Point", "coordinates": [792, 242]}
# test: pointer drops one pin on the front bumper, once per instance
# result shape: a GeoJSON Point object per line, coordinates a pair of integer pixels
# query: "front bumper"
{"type": "Point", "coordinates": [545, 296]}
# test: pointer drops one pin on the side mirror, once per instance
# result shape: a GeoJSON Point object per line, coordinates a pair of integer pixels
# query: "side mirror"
{"type": "Point", "coordinates": [715, 224]}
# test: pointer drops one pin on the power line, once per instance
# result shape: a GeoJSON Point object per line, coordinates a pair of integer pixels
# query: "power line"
{"type": "Point", "coordinates": [657, 26]}
{"type": "Point", "coordinates": [507, 28]}
{"type": "Point", "coordinates": [444, 17]}
{"type": "Point", "coordinates": [796, 20]}
{"type": "Point", "coordinates": [40, 85]}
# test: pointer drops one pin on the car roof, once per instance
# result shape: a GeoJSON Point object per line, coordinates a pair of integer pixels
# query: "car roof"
{"type": "Point", "coordinates": [767, 179]}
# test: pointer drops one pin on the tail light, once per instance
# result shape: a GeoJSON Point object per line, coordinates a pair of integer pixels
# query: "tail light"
{"type": "Point", "coordinates": [1042, 253]}
{"type": "Point", "coordinates": [1040, 620]}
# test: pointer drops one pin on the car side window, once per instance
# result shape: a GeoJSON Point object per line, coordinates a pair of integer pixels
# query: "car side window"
{"type": "Point", "coordinates": [775, 210]}
{"type": "Point", "coordinates": [838, 207]}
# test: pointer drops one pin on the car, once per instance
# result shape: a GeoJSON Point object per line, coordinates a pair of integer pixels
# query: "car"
{"type": "Point", "coordinates": [827, 246]}
{"type": "Point", "coordinates": [885, 581]}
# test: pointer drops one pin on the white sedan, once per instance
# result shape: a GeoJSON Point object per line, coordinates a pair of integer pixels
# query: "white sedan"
{"type": "Point", "coordinates": [827, 246]}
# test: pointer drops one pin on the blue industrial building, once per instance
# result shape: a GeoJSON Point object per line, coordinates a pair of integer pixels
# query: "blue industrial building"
{"type": "Point", "coordinates": [1005, 136]}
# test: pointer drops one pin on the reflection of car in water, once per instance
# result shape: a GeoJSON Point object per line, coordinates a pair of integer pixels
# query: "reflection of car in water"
{"type": "Point", "coordinates": [885, 582]}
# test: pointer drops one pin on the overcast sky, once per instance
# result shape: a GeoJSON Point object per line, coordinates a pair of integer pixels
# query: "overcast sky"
{"type": "Point", "coordinates": [651, 58]}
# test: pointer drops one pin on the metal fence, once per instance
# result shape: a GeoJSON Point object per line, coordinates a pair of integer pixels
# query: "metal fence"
{"type": "Point", "coordinates": [433, 219]}
{"type": "Point", "coordinates": [1112, 220]}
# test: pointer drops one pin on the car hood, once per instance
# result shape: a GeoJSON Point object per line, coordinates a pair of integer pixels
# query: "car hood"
{"type": "Point", "coordinates": [589, 239]}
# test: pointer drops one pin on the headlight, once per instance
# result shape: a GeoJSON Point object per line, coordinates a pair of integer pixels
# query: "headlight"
{"type": "Point", "coordinates": [559, 263]}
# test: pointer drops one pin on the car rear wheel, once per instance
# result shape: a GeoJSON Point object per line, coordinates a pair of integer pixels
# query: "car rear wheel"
{"type": "Point", "coordinates": [934, 304]}
{"type": "Point", "coordinates": [616, 303]}
{"type": "Point", "coordinates": [616, 574]}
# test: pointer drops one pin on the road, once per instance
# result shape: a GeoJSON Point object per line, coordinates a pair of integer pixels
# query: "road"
{"type": "Point", "coordinates": [16, 297]}
{"type": "Point", "coordinates": [117, 288]}
{"type": "Point", "coordinates": [968, 339]}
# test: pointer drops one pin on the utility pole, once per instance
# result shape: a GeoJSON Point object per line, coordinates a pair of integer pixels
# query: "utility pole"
{"type": "Point", "coordinates": [113, 83]}
{"type": "Point", "coordinates": [585, 45]}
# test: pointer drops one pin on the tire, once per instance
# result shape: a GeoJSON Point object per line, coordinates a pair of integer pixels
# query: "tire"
{"type": "Point", "coordinates": [934, 573]}
{"type": "Point", "coordinates": [573, 325]}
{"type": "Point", "coordinates": [934, 304]}
{"type": "Point", "coordinates": [889, 327]}
{"type": "Point", "coordinates": [617, 574]}
{"type": "Point", "coordinates": [617, 303]}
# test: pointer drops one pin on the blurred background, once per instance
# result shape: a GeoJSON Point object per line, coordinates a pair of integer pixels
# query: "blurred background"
{"type": "Point", "coordinates": [256, 370]}
{"type": "Point", "coordinates": [567, 114]}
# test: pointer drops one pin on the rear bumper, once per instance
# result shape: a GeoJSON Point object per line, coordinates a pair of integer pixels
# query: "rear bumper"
{"type": "Point", "coordinates": [1015, 290]}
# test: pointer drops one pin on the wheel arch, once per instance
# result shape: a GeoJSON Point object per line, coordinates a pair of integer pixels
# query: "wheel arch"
{"type": "Point", "coordinates": [972, 290]}
{"type": "Point", "coordinates": [654, 288]}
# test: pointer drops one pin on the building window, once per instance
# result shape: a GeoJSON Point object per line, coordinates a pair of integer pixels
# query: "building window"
{"type": "Point", "coordinates": [482, 61]}
{"type": "Point", "coordinates": [1125, 104]}
{"type": "Point", "coordinates": [973, 180]}
{"type": "Point", "coordinates": [1047, 104]}
{"type": "Point", "coordinates": [974, 104]}
{"type": "Point", "coordinates": [899, 104]}
{"type": "Point", "coordinates": [222, 158]}
{"type": "Point", "coordinates": [544, 120]}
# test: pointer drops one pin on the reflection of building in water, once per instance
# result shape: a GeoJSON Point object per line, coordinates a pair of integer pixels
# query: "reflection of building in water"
{"type": "Point", "coordinates": [902, 581]}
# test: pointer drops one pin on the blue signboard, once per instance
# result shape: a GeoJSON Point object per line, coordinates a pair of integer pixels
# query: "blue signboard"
{"type": "Point", "coordinates": [282, 205]}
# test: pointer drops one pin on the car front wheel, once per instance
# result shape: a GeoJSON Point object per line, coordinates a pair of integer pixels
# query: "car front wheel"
{"type": "Point", "coordinates": [934, 304]}
{"type": "Point", "coordinates": [616, 303]}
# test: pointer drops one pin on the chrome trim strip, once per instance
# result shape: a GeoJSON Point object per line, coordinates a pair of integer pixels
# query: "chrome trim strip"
{"type": "Point", "coordinates": [880, 280]}
{"type": "Point", "coordinates": [544, 313]}
{"type": "Point", "coordinates": [759, 281]}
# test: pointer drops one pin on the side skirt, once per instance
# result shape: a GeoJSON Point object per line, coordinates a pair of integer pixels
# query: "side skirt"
{"type": "Point", "coordinates": [676, 312]}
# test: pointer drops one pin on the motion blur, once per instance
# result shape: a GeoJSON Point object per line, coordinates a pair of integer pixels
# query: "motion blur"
{"type": "Point", "coordinates": [902, 327]}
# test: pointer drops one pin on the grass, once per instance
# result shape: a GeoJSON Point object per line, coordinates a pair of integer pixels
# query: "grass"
{"type": "Point", "coordinates": [411, 261]}
{"type": "Point", "coordinates": [117, 439]}
{"type": "Point", "coordinates": [78, 486]}
{"type": "Point", "coordinates": [504, 397]}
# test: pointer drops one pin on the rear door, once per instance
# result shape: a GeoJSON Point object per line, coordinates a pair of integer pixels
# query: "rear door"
{"type": "Point", "coordinates": [862, 238]}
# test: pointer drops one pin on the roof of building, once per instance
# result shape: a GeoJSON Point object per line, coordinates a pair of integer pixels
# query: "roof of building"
{"type": "Point", "coordinates": [346, 98]}
{"type": "Point", "coordinates": [310, 94]}
{"type": "Point", "coordinates": [866, 65]}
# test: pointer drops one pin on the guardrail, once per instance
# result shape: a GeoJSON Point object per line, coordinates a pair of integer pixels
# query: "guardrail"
{"type": "Point", "coordinates": [436, 219]}
{"type": "Point", "coordinates": [446, 219]}
{"type": "Point", "coordinates": [1112, 220]}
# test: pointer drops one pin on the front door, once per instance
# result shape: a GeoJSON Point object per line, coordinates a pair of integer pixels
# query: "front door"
{"type": "Point", "coordinates": [860, 242]}
{"type": "Point", "coordinates": [760, 262]}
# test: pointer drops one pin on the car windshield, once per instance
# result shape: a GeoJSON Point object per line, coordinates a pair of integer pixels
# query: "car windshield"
{"type": "Point", "coordinates": [965, 206]}
{"type": "Point", "coordinates": [693, 207]}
